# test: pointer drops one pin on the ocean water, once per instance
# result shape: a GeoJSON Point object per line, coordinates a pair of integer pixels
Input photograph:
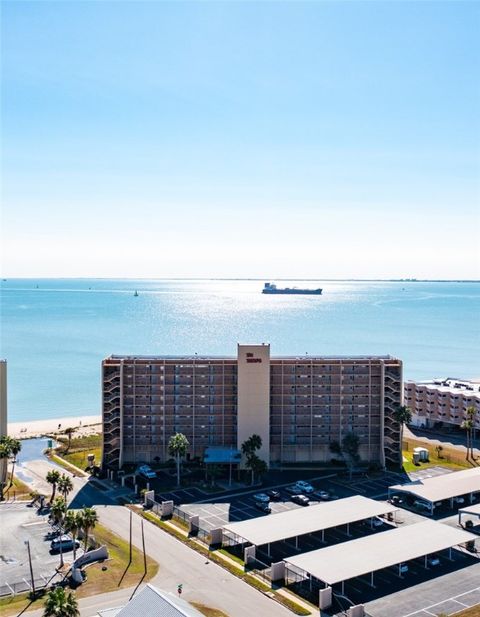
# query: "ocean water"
{"type": "Point", "coordinates": [54, 333]}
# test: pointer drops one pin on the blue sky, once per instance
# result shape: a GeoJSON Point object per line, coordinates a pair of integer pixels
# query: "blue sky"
{"type": "Point", "coordinates": [318, 139]}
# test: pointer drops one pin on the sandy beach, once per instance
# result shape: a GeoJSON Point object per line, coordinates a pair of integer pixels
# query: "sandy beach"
{"type": "Point", "coordinates": [85, 425]}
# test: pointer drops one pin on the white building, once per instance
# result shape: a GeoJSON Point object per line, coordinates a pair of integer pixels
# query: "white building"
{"type": "Point", "coordinates": [442, 401]}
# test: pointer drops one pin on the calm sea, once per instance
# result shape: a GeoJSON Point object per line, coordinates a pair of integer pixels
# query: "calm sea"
{"type": "Point", "coordinates": [56, 332]}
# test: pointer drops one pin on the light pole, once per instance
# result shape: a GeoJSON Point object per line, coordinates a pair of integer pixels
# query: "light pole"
{"type": "Point", "coordinates": [27, 543]}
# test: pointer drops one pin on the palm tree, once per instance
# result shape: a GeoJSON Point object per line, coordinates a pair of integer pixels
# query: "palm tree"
{"type": "Point", "coordinates": [15, 447]}
{"type": "Point", "coordinates": [72, 524]}
{"type": "Point", "coordinates": [468, 425]}
{"type": "Point", "coordinates": [88, 519]}
{"type": "Point", "coordinates": [65, 486]}
{"type": "Point", "coordinates": [59, 603]}
{"type": "Point", "coordinates": [403, 415]}
{"type": "Point", "coordinates": [4, 456]}
{"type": "Point", "coordinates": [69, 432]}
{"type": "Point", "coordinates": [177, 447]}
{"type": "Point", "coordinates": [52, 477]}
{"type": "Point", "coordinates": [249, 447]}
{"type": "Point", "coordinates": [471, 413]}
{"type": "Point", "coordinates": [58, 509]}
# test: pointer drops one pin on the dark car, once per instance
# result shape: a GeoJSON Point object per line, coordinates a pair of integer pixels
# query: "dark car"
{"type": "Point", "coordinates": [321, 495]}
{"type": "Point", "coordinates": [274, 495]}
{"type": "Point", "coordinates": [300, 499]}
{"type": "Point", "coordinates": [264, 507]}
{"type": "Point", "coordinates": [291, 490]}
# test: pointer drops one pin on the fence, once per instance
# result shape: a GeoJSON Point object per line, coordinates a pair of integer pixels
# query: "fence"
{"type": "Point", "coordinates": [25, 585]}
{"type": "Point", "coordinates": [442, 452]}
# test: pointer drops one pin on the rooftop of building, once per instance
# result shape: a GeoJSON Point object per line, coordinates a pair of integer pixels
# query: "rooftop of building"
{"type": "Point", "coordinates": [449, 384]}
{"type": "Point", "coordinates": [199, 357]}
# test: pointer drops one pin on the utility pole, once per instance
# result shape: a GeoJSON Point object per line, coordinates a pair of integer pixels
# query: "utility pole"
{"type": "Point", "coordinates": [130, 553]}
{"type": "Point", "coordinates": [144, 554]}
{"type": "Point", "coordinates": [27, 542]}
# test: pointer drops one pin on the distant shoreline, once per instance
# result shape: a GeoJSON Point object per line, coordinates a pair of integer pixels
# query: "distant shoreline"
{"type": "Point", "coordinates": [265, 278]}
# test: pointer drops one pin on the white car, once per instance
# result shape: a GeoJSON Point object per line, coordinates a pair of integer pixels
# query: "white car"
{"type": "Point", "coordinates": [304, 487]}
{"type": "Point", "coordinates": [261, 497]}
{"type": "Point", "coordinates": [433, 560]}
{"type": "Point", "coordinates": [146, 472]}
{"type": "Point", "coordinates": [375, 522]}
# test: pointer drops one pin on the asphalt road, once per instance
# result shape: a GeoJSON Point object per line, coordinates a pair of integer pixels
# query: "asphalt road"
{"type": "Point", "coordinates": [207, 583]}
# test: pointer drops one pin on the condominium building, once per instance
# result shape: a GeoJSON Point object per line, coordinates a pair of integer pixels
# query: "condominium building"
{"type": "Point", "coordinates": [442, 401]}
{"type": "Point", "coordinates": [299, 405]}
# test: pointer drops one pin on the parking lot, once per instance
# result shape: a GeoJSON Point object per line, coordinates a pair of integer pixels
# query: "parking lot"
{"type": "Point", "coordinates": [19, 525]}
{"type": "Point", "coordinates": [447, 587]}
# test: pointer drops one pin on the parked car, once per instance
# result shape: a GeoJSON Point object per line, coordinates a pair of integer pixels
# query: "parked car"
{"type": "Point", "coordinates": [264, 507]}
{"type": "Point", "coordinates": [376, 521]}
{"type": "Point", "coordinates": [403, 568]}
{"type": "Point", "coordinates": [433, 560]}
{"type": "Point", "coordinates": [261, 497]}
{"type": "Point", "coordinates": [292, 490]}
{"type": "Point", "coordinates": [396, 500]}
{"type": "Point", "coordinates": [300, 499]}
{"type": "Point", "coordinates": [273, 495]}
{"type": "Point", "coordinates": [304, 487]}
{"type": "Point", "coordinates": [468, 524]}
{"type": "Point", "coordinates": [421, 505]}
{"type": "Point", "coordinates": [459, 499]}
{"type": "Point", "coordinates": [147, 472]}
{"type": "Point", "coordinates": [322, 495]}
{"type": "Point", "coordinates": [63, 543]}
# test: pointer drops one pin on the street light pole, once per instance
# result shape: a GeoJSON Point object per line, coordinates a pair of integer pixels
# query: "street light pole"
{"type": "Point", "coordinates": [27, 542]}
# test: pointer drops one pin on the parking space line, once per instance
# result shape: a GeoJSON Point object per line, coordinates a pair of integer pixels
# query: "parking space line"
{"type": "Point", "coordinates": [454, 598]}
{"type": "Point", "coordinates": [461, 603]}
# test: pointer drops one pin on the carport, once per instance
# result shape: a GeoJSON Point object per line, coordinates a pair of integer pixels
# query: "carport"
{"type": "Point", "coordinates": [447, 486]}
{"type": "Point", "coordinates": [265, 530]}
{"type": "Point", "coordinates": [348, 560]}
{"type": "Point", "coordinates": [469, 511]}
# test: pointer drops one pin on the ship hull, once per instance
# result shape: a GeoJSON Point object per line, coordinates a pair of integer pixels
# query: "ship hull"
{"type": "Point", "coordinates": [303, 292]}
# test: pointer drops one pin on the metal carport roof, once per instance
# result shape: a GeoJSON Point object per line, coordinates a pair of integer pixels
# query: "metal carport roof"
{"type": "Point", "coordinates": [347, 560]}
{"type": "Point", "coordinates": [267, 529]}
{"type": "Point", "coordinates": [474, 510]}
{"type": "Point", "coordinates": [441, 487]}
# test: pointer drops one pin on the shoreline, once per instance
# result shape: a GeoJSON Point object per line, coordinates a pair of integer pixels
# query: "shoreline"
{"type": "Point", "coordinates": [85, 425]}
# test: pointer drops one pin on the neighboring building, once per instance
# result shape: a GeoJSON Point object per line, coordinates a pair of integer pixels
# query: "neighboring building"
{"type": "Point", "coordinates": [3, 417]}
{"type": "Point", "coordinates": [151, 602]}
{"type": "Point", "coordinates": [442, 401]}
{"type": "Point", "coordinates": [298, 404]}
{"type": "Point", "coordinates": [3, 397]}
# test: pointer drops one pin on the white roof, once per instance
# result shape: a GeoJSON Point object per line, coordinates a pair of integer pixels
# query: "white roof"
{"type": "Point", "coordinates": [444, 486]}
{"type": "Point", "coordinates": [350, 559]}
{"type": "Point", "coordinates": [474, 509]}
{"type": "Point", "coordinates": [266, 529]}
{"type": "Point", "coordinates": [152, 602]}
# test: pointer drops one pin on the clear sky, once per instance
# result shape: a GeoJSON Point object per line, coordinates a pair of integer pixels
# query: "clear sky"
{"type": "Point", "coordinates": [316, 139]}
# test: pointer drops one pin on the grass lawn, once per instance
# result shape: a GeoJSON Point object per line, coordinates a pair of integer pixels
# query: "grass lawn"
{"type": "Point", "coordinates": [208, 611]}
{"type": "Point", "coordinates": [434, 461]}
{"type": "Point", "coordinates": [98, 581]}
{"type": "Point", "coordinates": [19, 490]}
{"type": "Point", "coordinates": [79, 449]}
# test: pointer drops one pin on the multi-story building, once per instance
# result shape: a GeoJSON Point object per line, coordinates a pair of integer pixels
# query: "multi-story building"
{"type": "Point", "coordinates": [298, 405]}
{"type": "Point", "coordinates": [3, 417]}
{"type": "Point", "coordinates": [442, 401]}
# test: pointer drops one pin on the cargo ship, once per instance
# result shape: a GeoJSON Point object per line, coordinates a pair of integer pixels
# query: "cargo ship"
{"type": "Point", "coordinates": [270, 288]}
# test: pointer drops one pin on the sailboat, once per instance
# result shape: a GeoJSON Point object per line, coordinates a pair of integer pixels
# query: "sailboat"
{"type": "Point", "coordinates": [136, 293]}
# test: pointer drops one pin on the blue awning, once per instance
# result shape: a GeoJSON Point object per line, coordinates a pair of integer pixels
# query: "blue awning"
{"type": "Point", "coordinates": [219, 454]}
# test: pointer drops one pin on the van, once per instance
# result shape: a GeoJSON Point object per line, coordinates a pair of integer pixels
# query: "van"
{"type": "Point", "coordinates": [63, 543]}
